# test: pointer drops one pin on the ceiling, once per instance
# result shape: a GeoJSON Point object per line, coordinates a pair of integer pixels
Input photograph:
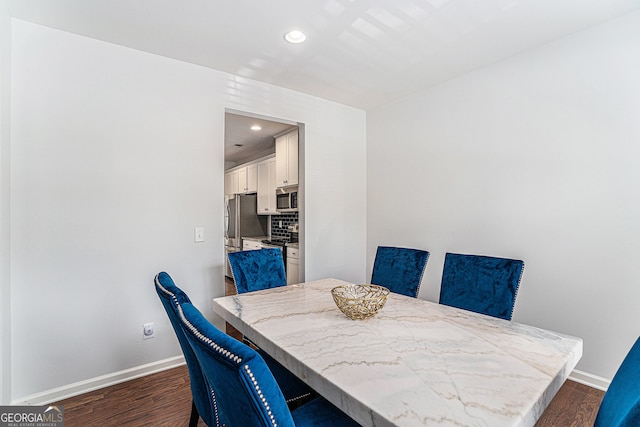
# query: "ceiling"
{"type": "Point", "coordinates": [362, 53]}
{"type": "Point", "coordinates": [242, 144]}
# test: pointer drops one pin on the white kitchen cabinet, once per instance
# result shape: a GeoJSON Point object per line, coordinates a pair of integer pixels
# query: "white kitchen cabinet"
{"type": "Point", "coordinates": [250, 245]}
{"type": "Point", "coordinates": [252, 178]}
{"type": "Point", "coordinates": [267, 187]}
{"type": "Point", "coordinates": [248, 179]}
{"type": "Point", "coordinates": [293, 266]}
{"type": "Point", "coordinates": [287, 159]}
{"type": "Point", "coordinates": [231, 183]}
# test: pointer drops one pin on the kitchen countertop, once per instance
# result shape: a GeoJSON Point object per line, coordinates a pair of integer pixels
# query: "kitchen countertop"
{"type": "Point", "coordinates": [295, 245]}
{"type": "Point", "coordinates": [256, 238]}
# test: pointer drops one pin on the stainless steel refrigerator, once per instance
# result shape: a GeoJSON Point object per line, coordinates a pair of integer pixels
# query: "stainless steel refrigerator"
{"type": "Point", "coordinates": [241, 219]}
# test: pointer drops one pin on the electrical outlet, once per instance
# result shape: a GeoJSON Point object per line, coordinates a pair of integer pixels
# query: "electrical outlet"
{"type": "Point", "coordinates": [148, 331]}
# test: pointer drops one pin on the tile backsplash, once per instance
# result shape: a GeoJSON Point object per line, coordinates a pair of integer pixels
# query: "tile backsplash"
{"type": "Point", "coordinates": [287, 220]}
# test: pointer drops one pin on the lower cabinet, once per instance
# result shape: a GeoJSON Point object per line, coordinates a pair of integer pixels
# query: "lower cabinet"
{"type": "Point", "coordinates": [249, 245]}
{"type": "Point", "coordinates": [293, 266]}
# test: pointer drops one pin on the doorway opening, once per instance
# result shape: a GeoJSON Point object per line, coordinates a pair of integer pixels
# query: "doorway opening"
{"type": "Point", "coordinates": [264, 188]}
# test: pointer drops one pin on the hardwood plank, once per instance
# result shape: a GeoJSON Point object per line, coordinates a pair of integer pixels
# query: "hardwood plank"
{"type": "Point", "coordinates": [575, 405]}
{"type": "Point", "coordinates": [158, 400]}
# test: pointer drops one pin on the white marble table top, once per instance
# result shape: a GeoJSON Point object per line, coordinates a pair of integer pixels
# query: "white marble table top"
{"type": "Point", "coordinates": [416, 363]}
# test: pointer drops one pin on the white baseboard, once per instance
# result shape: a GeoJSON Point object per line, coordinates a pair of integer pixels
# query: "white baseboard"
{"type": "Point", "coordinates": [590, 380]}
{"type": "Point", "coordinates": [60, 393]}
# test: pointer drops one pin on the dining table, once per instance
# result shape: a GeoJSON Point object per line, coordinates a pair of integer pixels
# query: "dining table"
{"type": "Point", "coordinates": [415, 363]}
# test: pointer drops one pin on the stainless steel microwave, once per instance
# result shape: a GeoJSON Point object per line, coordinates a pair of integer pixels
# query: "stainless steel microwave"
{"type": "Point", "coordinates": [287, 201]}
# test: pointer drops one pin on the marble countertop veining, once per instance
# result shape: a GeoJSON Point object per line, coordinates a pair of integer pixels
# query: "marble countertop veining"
{"type": "Point", "coordinates": [416, 363]}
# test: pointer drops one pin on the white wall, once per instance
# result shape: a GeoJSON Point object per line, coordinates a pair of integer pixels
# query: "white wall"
{"type": "Point", "coordinates": [116, 156]}
{"type": "Point", "coordinates": [535, 158]}
{"type": "Point", "coordinates": [5, 167]}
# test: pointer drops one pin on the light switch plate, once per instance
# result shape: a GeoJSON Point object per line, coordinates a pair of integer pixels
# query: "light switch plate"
{"type": "Point", "coordinates": [199, 234]}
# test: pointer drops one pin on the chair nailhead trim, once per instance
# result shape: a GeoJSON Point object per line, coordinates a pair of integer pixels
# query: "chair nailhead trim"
{"type": "Point", "coordinates": [233, 274]}
{"type": "Point", "coordinates": [515, 293]}
{"type": "Point", "coordinates": [196, 332]}
{"type": "Point", "coordinates": [261, 396]}
{"type": "Point", "coordinates": [422, 274]}
{"type": "Point", "coordinates": [215, 407]}
{"type": "Point", "coordinates": [208, 341]}
{"type": "Point", "coordinates": [177, 304]}
{"type": "Point", "coordinates": [302, 396]}
{"type": "Point", "coordinates": [163, 289]}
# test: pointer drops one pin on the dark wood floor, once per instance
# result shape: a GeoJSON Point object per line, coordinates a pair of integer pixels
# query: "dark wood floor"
{"type": "Point", "coordinates": [575, 405]}
{"type": "Point", "coordinates": [158, 400]}
{"type": "Point", "coordinates": [164, 400]}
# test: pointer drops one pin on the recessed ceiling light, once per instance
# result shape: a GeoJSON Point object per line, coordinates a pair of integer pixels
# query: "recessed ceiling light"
{"type": "Point", "coordinates": [256, 127]}
{"type": "Point", "coordinates": [295, 36]}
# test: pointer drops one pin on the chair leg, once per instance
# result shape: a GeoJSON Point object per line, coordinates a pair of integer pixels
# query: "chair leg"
{"type": "Point", "coordinates": [193, 421]}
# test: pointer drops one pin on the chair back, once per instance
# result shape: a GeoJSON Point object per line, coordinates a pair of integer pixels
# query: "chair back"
{"type": "Point", "coordinates": [482, 284]}
{"type": "Point", "coordinates": [258, 269]}
{"type": "Point", "coordinates": [399, 269]}
{"type": "Point", "coordinates": [620, 406]}
{"type": "Point", "coordinates": [243, 389]}
{"type": "Point", "coordinates": [171, 297]}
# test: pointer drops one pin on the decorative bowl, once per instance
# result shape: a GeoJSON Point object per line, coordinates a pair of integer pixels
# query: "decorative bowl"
{"type": "Point", "coordinates": [360, 301]}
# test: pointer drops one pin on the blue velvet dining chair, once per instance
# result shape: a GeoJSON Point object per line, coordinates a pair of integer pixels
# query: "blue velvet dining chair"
{"type": "Point", "coordinates": [399, 269]}
{"type": "Point", "coordinates": [620, 406]}
{"type": "Point", "coordinates": [243, 390]}
{"type": "Point", "coordinates": [482, 284]}
{"type": "Point", "coordinates": [294, 390]}
{"type": "Point", "coordinates": [258, 269]}
{"type": "Point", "coordinates": [171, 296]}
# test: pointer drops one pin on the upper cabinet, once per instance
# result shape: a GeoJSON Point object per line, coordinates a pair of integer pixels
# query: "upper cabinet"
{"type": "Point", "coordinates": [243, 180]}
{"type": "Point", "coordinates": [267, 187]}
{"type": "Point", "coordinates": [248, 179]}
{"type": "Point", "coordinates": [287, 159]}
{"type": "Point", "coordinates": [266, 173]}
{"type": "Point", "coordinates": [231, 183]}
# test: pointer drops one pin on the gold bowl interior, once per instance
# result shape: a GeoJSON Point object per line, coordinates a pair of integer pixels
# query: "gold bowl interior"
{"type": "Point", "coordinates": [360, 301]}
